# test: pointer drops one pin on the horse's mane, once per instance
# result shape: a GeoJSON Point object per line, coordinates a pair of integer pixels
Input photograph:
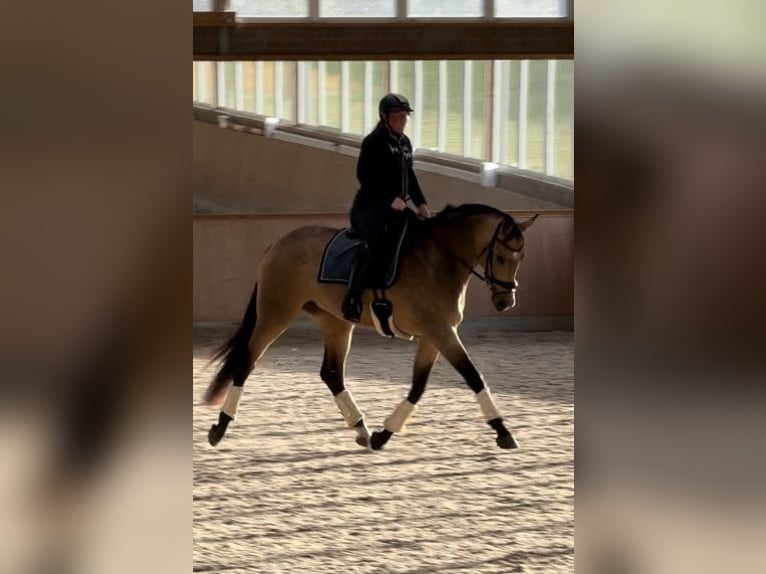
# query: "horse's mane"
{"type": "Point", "coordinates": [453, 213]}
{"type": "Point", "coordinates": [450, 212]}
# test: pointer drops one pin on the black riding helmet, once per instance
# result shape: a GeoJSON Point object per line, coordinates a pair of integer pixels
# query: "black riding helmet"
{"type": "Point", "coordinates": [393, 103]}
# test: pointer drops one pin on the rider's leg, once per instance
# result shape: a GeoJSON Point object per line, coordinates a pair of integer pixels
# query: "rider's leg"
{"type": "Point", "coordinates": [352, 302]}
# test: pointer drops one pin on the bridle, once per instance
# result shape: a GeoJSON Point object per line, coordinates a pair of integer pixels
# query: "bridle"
{"type": "Point", "coordinates": [489, 275]}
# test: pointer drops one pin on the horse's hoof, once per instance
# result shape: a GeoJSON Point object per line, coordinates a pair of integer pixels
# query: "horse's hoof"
{"type": "Point", "coordinates": [362, 441]}
{"type": "Point", "coordinates": [214, 435]}
{"type": "Point", "coordinates": [378, 439]}
{"type": "Point", "coordinates": [507, 442]}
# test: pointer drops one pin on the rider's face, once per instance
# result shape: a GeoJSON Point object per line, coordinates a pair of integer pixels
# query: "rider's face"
{"type": "Point", "coordinates": [397, 121]}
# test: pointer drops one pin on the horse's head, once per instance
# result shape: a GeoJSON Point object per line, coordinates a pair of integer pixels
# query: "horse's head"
{"type": "Point", "coordinates": [504, 254]}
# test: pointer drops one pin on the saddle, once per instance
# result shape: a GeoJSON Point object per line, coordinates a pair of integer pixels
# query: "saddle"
{"type": "Point", "coordinates": [340, 253]}
{"type": "Point", "coordinates": [338, 259]}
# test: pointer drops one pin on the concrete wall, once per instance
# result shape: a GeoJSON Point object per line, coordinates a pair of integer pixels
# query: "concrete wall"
{"type": "Point", "coordinates": [228, 249]}
{"type": "Point", "coordinates": [238, 172]}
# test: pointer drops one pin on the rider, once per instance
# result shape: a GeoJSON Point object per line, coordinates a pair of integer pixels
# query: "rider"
{"type": "Point", "coordinates": [384, 170]}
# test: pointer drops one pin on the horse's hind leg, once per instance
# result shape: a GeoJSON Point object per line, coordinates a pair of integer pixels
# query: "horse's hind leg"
{"type": "Point", "coordinates": [425, 358]}
{"type": "Point", "coordinates": [452, 349]}
{"type": "Point", "coordinates": [269, 327]}
{"type": "Point", "coordinates": [337, 340]}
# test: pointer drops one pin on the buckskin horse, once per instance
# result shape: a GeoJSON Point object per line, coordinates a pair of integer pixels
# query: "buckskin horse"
{"type": "Point", "coordinates": [435, 269]}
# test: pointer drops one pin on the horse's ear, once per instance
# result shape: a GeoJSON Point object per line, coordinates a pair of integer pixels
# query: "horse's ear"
{"type": "Point", "coordinates": [524, 225]}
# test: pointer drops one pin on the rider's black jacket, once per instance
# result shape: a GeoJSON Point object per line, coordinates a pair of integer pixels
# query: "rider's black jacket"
{"type": "Point", "coordinates": [384, 170]}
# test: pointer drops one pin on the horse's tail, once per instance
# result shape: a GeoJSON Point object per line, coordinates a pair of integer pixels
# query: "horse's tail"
{"type": "Point", "coordinates": [235, 353]}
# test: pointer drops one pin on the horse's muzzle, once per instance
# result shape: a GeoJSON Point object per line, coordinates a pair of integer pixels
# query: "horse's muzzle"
{"type": "Point", "coordinates": [505, 302]}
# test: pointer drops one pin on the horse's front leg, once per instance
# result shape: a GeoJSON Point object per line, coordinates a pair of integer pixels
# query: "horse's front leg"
{"type": "Point", "coordinates": [425, 357]}
{"type": "Point", "coordinates": [337, 340]}
{"type": "Point", "coordinates": [452, 348]}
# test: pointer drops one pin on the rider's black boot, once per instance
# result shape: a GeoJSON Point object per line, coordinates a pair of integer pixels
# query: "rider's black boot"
{"type": "Point", "coordinates": [352, 302]}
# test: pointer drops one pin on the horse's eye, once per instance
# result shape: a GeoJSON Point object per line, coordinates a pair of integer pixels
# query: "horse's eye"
{"type": "Point", "coordinates": [500, 259]}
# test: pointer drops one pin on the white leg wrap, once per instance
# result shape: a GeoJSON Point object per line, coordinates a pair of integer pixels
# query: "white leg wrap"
{"type": "Point", "coordinates": [232, 401]}
{"type": "Point", "coordinates": [348, 408]}
{"type": "Point", "coordinates": [487, 404]}
{"type": "Point", "coordinates": [398, 419]}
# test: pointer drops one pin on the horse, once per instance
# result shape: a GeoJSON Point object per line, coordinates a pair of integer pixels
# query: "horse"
{"type": "Point", "coordinates": [428, 298]}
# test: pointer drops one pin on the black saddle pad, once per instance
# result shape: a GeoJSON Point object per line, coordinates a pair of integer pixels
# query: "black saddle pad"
{"type": "Point", "coordinates": [340, 252]}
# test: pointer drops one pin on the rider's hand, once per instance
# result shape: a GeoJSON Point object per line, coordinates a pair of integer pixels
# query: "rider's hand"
{"type": "Point", "coordinates": [423, 211]}
{"type": "Point", "coordinates": [398, 204]}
